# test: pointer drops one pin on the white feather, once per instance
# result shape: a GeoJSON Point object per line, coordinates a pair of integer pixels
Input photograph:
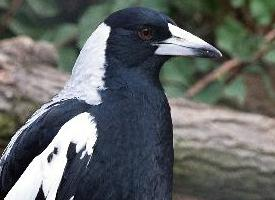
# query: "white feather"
{"type": "Point", "coordinates": [80, 130]}
{"type": "Point", "coordinates": [89, 69]}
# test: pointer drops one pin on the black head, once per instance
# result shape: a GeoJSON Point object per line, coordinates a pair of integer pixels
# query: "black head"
{"type": "Point", "coordinates": [133, 33]}
{"type": "Point", "coordinates": [141, 34]}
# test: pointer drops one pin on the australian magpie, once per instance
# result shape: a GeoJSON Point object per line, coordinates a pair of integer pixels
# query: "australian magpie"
{"type": "Point", "coordinates": [108, 134]}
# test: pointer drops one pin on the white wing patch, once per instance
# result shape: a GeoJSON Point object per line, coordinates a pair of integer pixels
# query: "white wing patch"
{"type": "Point", "coordinates": [80, 130]}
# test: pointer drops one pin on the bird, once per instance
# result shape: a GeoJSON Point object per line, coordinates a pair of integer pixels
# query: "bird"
{"type": "Point", "coordinates": [108, 134]}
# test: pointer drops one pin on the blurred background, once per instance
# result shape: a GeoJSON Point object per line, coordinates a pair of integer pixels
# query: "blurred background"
{"type": "Point", "coordinates": [244, 30]}
{"type": "Point", "coordinates": [240, 28]}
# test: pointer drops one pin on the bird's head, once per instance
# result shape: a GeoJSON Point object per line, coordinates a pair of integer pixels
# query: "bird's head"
{"type": "Point", "coordinates": [138, 34]}
{"type": "Point", "coordinates": [129, 42]}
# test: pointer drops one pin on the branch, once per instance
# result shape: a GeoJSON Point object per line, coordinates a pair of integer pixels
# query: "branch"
{"type": "Point", "coordinates": [230, 65]}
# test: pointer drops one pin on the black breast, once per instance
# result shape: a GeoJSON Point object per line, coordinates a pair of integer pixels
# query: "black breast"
{"type": "Point", "coordinates": [133, 155]}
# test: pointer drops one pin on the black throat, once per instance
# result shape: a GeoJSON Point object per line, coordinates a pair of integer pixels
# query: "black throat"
{"type": "Point", "coordinates": [133, 156]}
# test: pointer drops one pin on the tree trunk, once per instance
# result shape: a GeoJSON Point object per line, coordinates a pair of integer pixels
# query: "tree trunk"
{"type": "Point", "coordinates": [219, 154]}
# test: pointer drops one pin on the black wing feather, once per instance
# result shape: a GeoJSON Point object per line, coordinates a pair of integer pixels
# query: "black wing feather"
{"type": "Point", "coordinates": [35, 138]}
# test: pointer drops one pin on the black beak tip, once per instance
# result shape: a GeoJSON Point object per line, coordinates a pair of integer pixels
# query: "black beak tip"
{"type": "Point", "coordinates": [216, 54]}
{"type": "Point", "coordinates": [211, 52]}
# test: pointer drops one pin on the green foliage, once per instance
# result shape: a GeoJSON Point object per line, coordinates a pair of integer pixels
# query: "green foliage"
{"type": "Point", "coordinates": [204, 65]}
{"type": "Point", "coordinates": [237, 3]}
{"type": "Point", "coordinates": [23, 25]}
{"type": "Point", "coordinates": [234, 26]}
{"type": "Point", "coordinates": [233, 37]}
{"type": "Point", "coordinates": [270, 57]}
{"type": "Point", "coordinates": [160, 5]}
{"type": "Point", "coordinates": [43, 8]}
{"type": "Point", "coordinates": [211, 94]}
{"type": "Point", "coordinates": [67, 56]}
{"type": "Point", "coordinates": [191, 7]}
{"type": "Point", "coordinates": [4, 4]}
{"type": "Point", "coordinates": [90, 20]}
{"type": "Point", "coordinates": [177, 75]}
{"type": "Point", "coordinates": [7, 125]}
{"type": "Point", "coordinates": [60, 34]}
{"type": "Point", "coordinates": [262, 11]}
{"type": "Point", "coordinates": [236, 91]}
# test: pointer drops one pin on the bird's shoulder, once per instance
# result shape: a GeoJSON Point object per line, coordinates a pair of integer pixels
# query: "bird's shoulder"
{"type": "Point", "coordinates": [34, 138]}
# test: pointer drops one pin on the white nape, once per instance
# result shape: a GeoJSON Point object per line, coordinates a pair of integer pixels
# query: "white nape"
{"type": "Point", "coordinates": [87, 76]}
{"type": "Point", "coordinates": [42, 172]}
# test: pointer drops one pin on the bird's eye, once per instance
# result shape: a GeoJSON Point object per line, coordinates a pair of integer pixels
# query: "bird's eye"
{"type": "Point", "coordinates": [145, 33]}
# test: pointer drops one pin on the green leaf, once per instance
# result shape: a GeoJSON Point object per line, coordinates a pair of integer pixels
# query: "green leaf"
{"type": "Point", "coordinates": [4, 4]}
{"type": "Point", "coordinates": [120, 4]}
{"type": "Point", "coordinates": [236, 91]}
{"type": "Point", "coordinates": [204, 65]}
{"type": "Point", "coordinates": [171, 75]}
{"type": "Point", "coordinates": [270, 57]}
{"type": "Point", "coordinates": [211, 94]}
{"type": "Point", "coordinates": [173, 91]}
{"type": "Point", "coordinates": [44, 8]}
{"type": "Point", "coordinates": [228, 34]}
{"type": "Point", "coordinates": [261, 11]}
{"type": "Point", "coordinates": [236, 40]}
{"type": "Point", "coordinates": [61, 34]}
{"type": "Point", "coordinates": [237, 3]}
{"type": "Point", "coordinates": [65, 32]}
{"type": "Point", "coordinates": [89, 21]}
{"type": "Point", "coordinates": [67, 57]}
{"type": "Point", "coordinates": [21, 25]}
{"type": "Point", "coordinates": [179, 69]}
{"type": "Point", "coordinates": [160, 5]}
{"type": "Point", "coordinates": [191, 7]}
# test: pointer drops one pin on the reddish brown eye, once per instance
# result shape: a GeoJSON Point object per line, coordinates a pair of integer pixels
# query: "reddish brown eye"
{"type": "Point", "coordinates": [145, 34]}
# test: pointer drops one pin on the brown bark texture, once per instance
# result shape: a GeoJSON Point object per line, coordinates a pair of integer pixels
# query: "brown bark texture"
{"type": "Point", "coordinates": [220, 154]}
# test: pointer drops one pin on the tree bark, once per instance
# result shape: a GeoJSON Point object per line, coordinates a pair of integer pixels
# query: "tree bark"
{"type": "Point", "coordinates": [28, 78]}
{"type": "Point", "coordinates": [223, 154]}
{"type": "Point", "coordinates": [220, 154]}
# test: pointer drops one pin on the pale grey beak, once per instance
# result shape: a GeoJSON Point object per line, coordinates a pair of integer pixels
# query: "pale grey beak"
{"type": "Point", "coordinates": [183, 43]}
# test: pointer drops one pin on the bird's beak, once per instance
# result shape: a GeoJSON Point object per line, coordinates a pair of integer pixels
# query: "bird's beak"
{"type": "Point", "coordinates": [183, 43]}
